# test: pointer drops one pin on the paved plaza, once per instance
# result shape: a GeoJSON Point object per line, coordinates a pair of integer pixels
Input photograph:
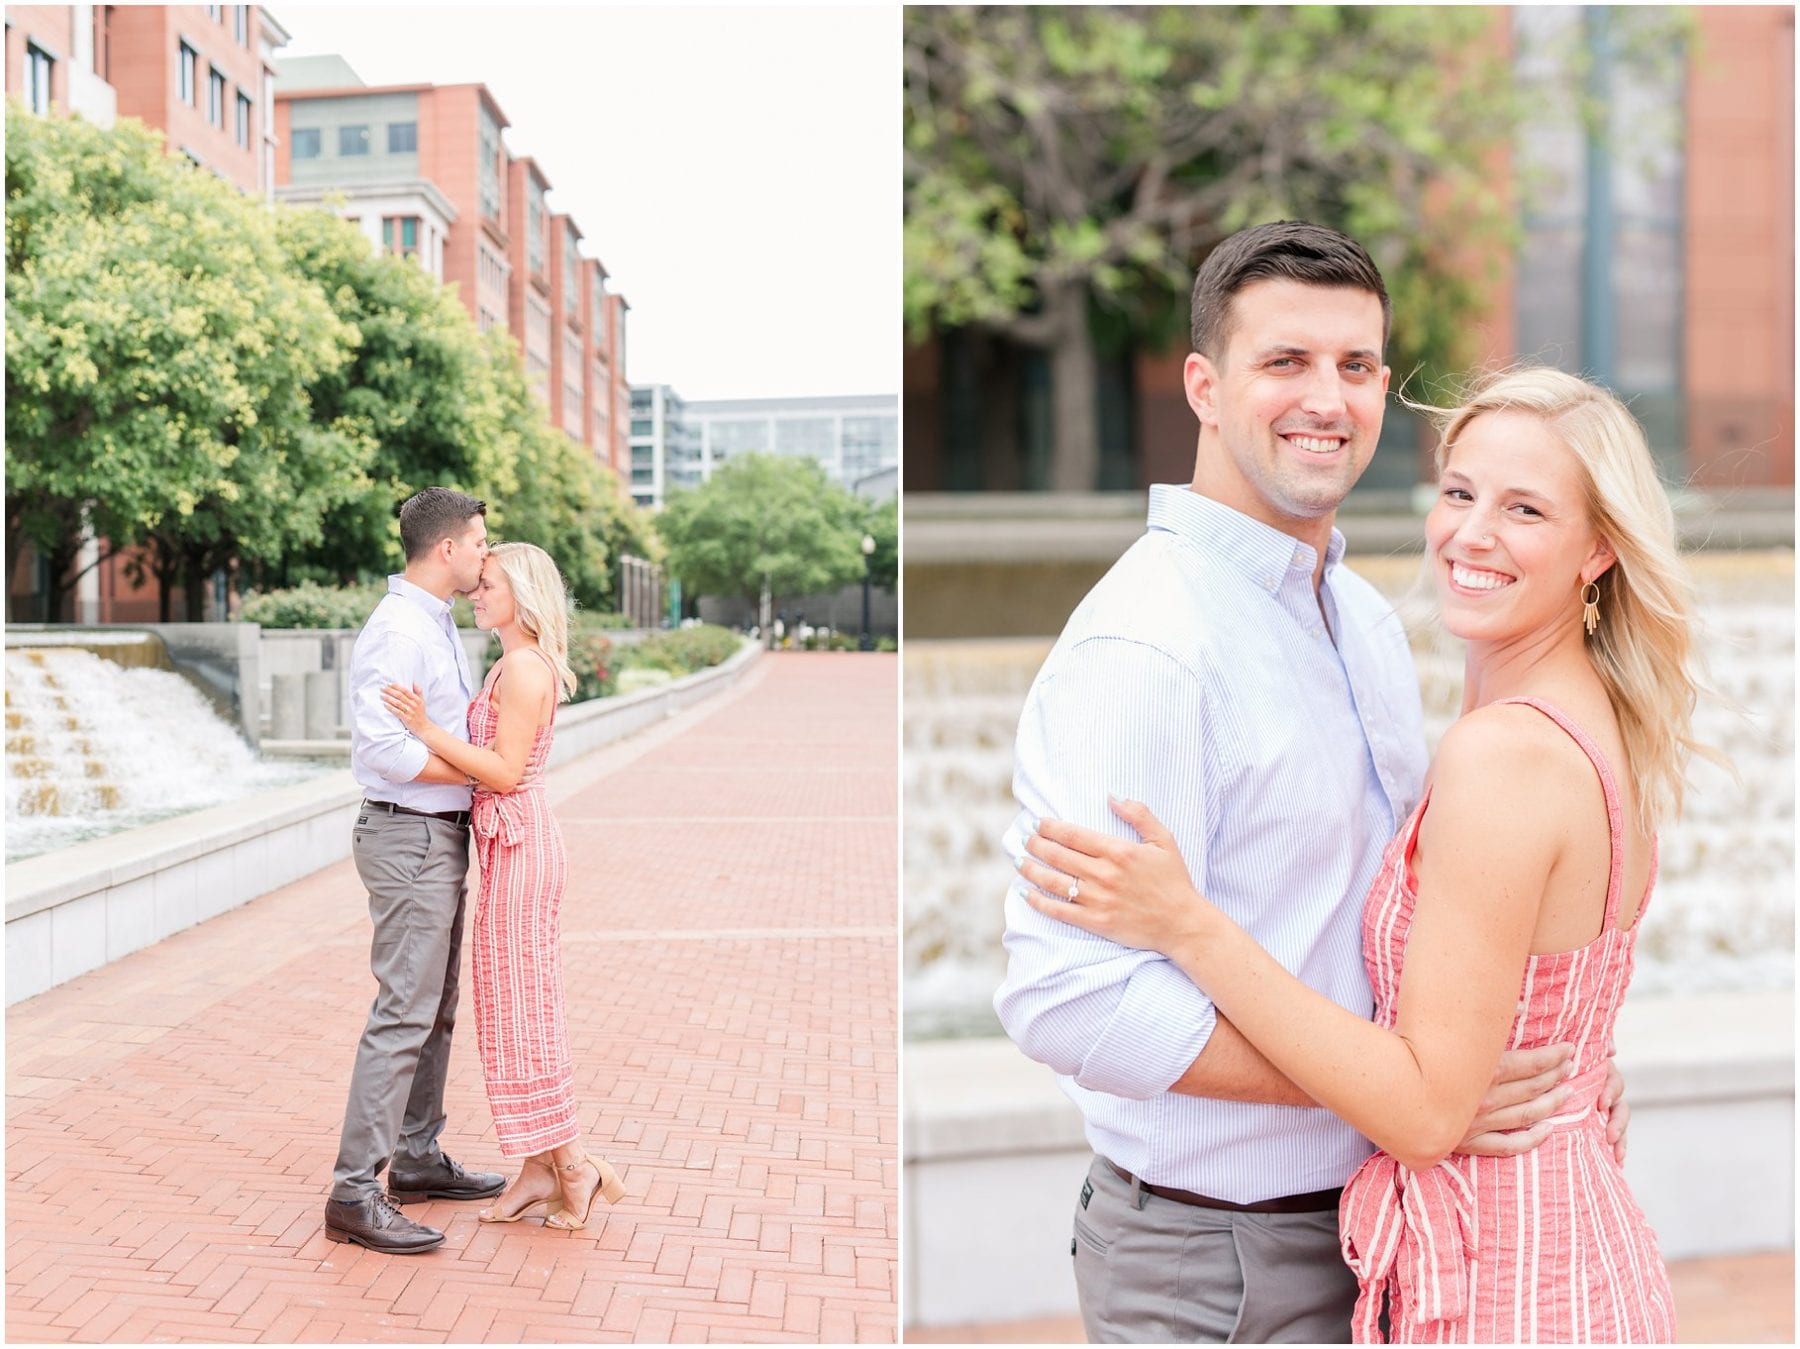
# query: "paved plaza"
{"type": "Point", "coordinates": [731, 956]}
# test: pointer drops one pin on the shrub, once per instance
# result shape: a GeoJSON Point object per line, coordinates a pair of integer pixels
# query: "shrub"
{"type": "Point", "coordinates": [591, 657]}
{"type": "Point", "coordinates": [682, 650]}
{"type": "Point", "coordinates": [313, 606]}
{"type": "Point", "coordinates": [600, 618]}
{"type": "Point", "coordinates": [643, 677]}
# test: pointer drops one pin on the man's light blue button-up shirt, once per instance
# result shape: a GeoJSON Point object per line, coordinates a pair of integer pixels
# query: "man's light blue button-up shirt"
{"type": "Point", "coordinates": [409, 639]}
{"type": "Point", "coordinates": [1200, 677]}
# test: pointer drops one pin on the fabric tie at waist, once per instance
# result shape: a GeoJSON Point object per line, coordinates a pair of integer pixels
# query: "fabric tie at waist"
{"type": "Point", "coordinates": [1414, 1225]}
{"type": "Point", "coordinates": [499, 814]}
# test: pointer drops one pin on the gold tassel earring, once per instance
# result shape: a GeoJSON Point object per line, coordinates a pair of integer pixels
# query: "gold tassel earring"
{"type": "Point", "coordinates": [1590, 607]}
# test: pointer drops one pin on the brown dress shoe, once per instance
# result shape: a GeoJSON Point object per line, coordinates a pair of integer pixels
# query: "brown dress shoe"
{"type": "Point", "coordinates": [374, 1222]}
{"type": "Point", "coordinates": [442, 1179]}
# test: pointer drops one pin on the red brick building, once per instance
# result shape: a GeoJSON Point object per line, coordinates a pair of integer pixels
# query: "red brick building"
{"type": "Point", "coordinates": [424, 170]}
{"type": "Point", "coordinates": [200, 74]}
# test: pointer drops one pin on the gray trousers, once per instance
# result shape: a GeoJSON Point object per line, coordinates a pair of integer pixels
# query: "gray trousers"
{"type": "Point", "coordinates": [1153, 1271]}
{"type": "Point", "coordinates": [415, 869]}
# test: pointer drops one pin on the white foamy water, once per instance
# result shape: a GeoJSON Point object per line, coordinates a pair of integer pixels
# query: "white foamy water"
{"type": "Point", "coordinates": [1722, 916]}
{"type": "Point", "coordinates": [93, 748]}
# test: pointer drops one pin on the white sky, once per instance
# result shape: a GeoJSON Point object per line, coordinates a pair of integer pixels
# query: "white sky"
{"type": "Point", "coordinates": [737, 169]}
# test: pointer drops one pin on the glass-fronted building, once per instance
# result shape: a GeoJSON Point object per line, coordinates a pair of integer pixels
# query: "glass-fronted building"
{"type": "Point", "coordinates": [674, 443]}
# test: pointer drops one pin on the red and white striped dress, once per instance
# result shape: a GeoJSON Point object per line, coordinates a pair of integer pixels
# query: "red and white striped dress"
{"type": "Point", "coordinates": [516, 958]}
{"type": "Point", "coordinates": [1549, 1247]}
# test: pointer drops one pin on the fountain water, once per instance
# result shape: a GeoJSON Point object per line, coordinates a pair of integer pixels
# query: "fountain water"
{"type": "Point", "coordinates": [1723, 913]}
{"type": "Point", "coordinates": [93, 747]}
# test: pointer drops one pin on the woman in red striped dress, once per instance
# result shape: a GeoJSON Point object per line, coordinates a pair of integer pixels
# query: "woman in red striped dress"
{"type": "Point", "coordinates": [516, 957]}
{"type": "Point", "coordinates": [1507, 906]}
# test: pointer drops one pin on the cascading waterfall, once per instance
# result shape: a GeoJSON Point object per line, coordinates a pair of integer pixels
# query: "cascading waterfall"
{"type": "Point", "coordinates": [1722, 916]}
{"type": "Point", "coordinates": [93, 748]}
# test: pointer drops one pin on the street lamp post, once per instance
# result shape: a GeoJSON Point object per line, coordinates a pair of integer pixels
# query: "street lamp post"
{"type": "Point", "coordinates": [868, 547]}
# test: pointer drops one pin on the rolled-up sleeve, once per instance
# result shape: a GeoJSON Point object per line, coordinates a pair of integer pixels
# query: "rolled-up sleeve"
{"type": "Point", "coordinates": [387, 746]}
{"type": "Point", "coordinates": [1125, 718]}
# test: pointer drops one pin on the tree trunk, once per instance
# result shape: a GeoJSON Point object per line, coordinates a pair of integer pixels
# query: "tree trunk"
{"type": "Point", "coordinates": [59, 583]}
{"type": "Point", "coordinates": [1002, 458]}
{"type": "Point", "coordinates": [766, 618]}
{"type": "Point", "coordinates": [194, 583]}
{"type": "Point", "coordinates": [1074, 394]}
{"type": "Point", "coordinates": [15, 546]}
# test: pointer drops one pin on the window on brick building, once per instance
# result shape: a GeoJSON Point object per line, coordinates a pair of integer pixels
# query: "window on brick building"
{"type": "Point", "coordinates": [534, 226]}
{"type": "Point", "coordinates": [215, 98]}
{"type": "Point", "coordinates": [353, 140]}
{"type": "Point", "coordinates": [402, 138]}
{"type": "Point", "coordinates": [571, 277]}
{"type": "Point", "coordinates": [240, 24]}
{"type": "Point", "coordinates": [103, 41]}
{"type": "Point", "coordinates": [243, 119]}
{"type": "Point", "coordinates": [400, 235]}
{"type": "Point", "coordinates": [490, 166]}
{"type": "Point", "coordinates": [216, 13]}
{"type": "Point", "coordinates": [306, 142]}
{"type": "Point", "coordinates": [38, 69]}
{"type": "Point", "coordinates": [187, 75]}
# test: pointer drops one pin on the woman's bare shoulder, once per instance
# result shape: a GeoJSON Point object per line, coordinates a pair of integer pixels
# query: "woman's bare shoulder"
{"type": "Point", "coordinates": [1507, 764]}
{"type": "Point", "coordinates": [523, 674]}
{"type": "Point", "coordinates": [1508, 739]}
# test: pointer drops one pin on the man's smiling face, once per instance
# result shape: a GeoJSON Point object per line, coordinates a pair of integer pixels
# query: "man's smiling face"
{"type": "Point", "coordinates": [1296, 396]}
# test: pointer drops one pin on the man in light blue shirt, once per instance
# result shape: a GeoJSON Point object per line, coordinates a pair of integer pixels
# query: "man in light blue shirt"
{"type": "Point", "coordinates": [1260, 699]}
{"type": "Point", "coordinates": [411, 845]}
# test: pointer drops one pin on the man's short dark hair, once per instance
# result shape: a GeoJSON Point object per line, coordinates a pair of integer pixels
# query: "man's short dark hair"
{"type": "Point", "coordinates": [433, 515]}
{"type": "Point", "coordinates": [1290, 250]}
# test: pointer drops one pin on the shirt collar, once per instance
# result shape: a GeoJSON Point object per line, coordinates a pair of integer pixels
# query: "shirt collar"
{"type": "Point", "coordinates": [417, 594]}
{"type": "Point", "coordinates": [1262, 552]}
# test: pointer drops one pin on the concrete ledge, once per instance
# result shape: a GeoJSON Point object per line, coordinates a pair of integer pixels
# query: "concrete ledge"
{"type": "Point", "coordinates": [77, 908]}
{"type": "Point", "coordinates": [99, 864]}
{"type": "Point", "coordinates": [994, 1153]}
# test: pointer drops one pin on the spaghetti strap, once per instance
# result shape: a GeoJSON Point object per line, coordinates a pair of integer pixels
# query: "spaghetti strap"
{"type": "Point", "coordinates": [555, 680]}
{"type": "Point", "coordinates": [1615, 814]}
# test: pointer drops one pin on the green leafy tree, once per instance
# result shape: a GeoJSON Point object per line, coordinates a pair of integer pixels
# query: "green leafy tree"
{"type": "Point", "coordinates": [763, 527]}
{"type": "Point", "coordinates": [555, 493]}
{"type": "Point", "coordinates": [419, 395]}
{"type": "Point", "coordinates": [158, 359]}
{"type": "Point", "coordinates": [629, 531]}
{"type": "Point", "coordinates": [1064, 164]}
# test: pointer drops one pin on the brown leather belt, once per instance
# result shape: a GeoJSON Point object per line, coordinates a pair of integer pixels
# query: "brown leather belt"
{"type": "Point", "coordinates": [456, 817]}
{"type": "Point", "coordinates": [1319, 1201]}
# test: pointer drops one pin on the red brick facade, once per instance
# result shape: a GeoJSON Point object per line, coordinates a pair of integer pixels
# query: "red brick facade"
{"type": "Point", "coordinates": [146, 72]}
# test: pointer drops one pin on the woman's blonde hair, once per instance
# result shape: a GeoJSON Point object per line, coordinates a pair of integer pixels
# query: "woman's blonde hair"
{"type": "Point", "coordinates": [1643, 647]}
{"type": "Point", "coordinates": [541, 600]}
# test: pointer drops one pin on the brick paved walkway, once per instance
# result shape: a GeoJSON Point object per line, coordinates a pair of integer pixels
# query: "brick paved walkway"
{"type": "Point", "coordinates": [731, 956]}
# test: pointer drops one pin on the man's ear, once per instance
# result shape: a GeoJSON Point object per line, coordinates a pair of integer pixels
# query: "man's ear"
{"type": "Point", "coordinates": [1199, 381]}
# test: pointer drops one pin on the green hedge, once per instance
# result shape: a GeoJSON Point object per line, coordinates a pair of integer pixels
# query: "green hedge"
{"type": "Point", "coordinates": [682, 650]}
{"type": "Point", "coordinates": [313, 606]}
{"type": "Point", "coordinates": [600, 618]}
{"type": "Point", "coordinates": [310, 605]}
{"type": "Point", "coordinates": [591, 657]}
